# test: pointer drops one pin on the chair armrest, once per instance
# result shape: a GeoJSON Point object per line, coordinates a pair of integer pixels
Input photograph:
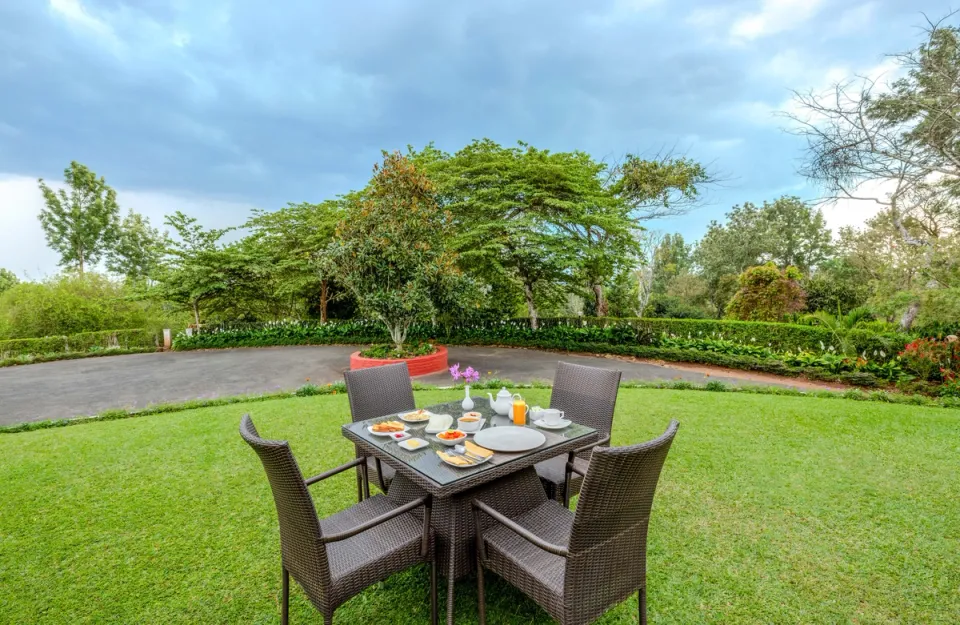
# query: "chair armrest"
{"type": "Point", "coordinates": [515, 528]}
{"type": "Point", "coordinates": [603, 441]}
{"type": "Point", "coordinates": [383, 518]}
{"type": "Point", "coordinates": [574, 469]}
{"type": "Point", "coordinates": [322, 476]}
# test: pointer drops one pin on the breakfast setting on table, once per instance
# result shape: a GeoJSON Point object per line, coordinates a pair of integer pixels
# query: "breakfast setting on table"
{"type": "Point", "coordinates": [509, 426]}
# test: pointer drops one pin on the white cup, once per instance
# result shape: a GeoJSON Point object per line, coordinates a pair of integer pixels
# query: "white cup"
{"type": "Point", "coordinates": [551, 416]}
{"type": "Point", "coordinates": [469, 422]}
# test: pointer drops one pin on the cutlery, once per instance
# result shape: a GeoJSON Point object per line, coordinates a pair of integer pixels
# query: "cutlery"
{"type": "Point", "coordinates": [460, 449]}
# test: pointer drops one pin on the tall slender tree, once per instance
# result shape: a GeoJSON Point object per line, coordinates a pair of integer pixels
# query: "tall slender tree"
{"type": "Point", "coordinates": [80, 225]}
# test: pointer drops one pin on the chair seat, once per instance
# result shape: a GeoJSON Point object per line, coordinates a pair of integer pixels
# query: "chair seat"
{"type": "Point", "coordinates": [552, 473]}
{"type": "Point", "coordinates": [388, 472]}
{"type": "Point", "coordinates": [529, 568]}
{"type": "Point", "coordinates": [375, 554]}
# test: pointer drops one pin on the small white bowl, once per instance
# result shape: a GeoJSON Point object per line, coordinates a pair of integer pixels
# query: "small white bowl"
{"type": "Point", "coordinates": [466, 425]}
{"type": "Point", "coordinates": [455, 441]}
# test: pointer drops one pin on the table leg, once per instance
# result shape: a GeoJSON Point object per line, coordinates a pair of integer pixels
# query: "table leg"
{"type": "Point", "coordinates": [451, 566]}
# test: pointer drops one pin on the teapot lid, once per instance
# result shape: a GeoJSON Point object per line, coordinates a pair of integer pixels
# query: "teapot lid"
{"type": "Point", "coordinates": [504, 393]}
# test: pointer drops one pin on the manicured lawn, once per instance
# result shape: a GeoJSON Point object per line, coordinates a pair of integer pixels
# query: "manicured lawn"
{"type": "Point", "coordinates": [770, 510]}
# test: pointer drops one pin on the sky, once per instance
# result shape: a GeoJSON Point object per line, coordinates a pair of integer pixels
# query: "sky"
{"type": "Point", "coordinates": [218, 107]}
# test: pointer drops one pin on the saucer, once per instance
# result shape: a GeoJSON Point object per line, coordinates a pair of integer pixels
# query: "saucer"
{"type": "Point", "coordinates": [559, 425]}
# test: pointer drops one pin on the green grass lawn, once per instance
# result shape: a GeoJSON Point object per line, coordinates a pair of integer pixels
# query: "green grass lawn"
{"type": "Point", "coordinates": [770, 510]}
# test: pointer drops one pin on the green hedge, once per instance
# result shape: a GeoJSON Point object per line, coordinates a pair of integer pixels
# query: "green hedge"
{"type": "Point", "coordinates": [82, 342]}
{"type": "Point", "coordinates": [779, 337]}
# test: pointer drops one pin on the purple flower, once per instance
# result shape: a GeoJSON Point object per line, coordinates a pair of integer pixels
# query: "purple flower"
{"type": "Point", "coordinates": [471, 375]}
{"type": "Point", "coordinates": [455, 371]}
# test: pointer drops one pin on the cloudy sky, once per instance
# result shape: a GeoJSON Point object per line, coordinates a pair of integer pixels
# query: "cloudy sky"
{"type": "Point", "coordinates": [215, 107]}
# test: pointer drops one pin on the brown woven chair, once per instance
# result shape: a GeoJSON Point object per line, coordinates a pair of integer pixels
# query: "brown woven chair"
{"type": "Point", "coordinates": [335, 558]}
{"type": "Point", "coordinates": [576, 565]}
{"type": "Point", "coordinates": [588, 395]}
{"type": "Point", "coordinates": [373, 393]}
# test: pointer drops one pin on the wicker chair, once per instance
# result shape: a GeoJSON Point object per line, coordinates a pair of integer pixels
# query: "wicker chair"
{"type": "Point", "coordinates": [335, 558]}
{"type": "Point", "coordinates": [577, 565]}
{"type": "Point", "coordinates": [373, 393]}
{"type": "Point", "coordinates": [589, 394]}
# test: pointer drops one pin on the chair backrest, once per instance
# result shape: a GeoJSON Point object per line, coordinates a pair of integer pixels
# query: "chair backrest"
{"type": "Point", "coordinates": [379, 391]}
{"type": "Point", "coordinates": [304, 554]}
{"type": "Point", "coordinates": [608, 541]}
{"type": "Point", "coordinates": [586, 394]}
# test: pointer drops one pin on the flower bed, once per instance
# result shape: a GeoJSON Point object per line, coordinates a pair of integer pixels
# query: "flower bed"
{"type": "Point", "coordinates": [418, 365]}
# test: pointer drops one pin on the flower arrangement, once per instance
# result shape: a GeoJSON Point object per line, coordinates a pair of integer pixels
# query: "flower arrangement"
{"type": "Point", "coordinates": [468, 375]}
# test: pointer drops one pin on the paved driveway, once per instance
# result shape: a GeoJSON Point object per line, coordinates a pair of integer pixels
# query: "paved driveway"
{"type": "Point", "coordinates": [84, 387]}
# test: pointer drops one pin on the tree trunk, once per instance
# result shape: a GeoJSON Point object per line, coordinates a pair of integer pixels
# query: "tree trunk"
{"type": "Point", "coordinates": [323, 301]}
{"type": "Point", "coordinates": [80, 258]}
{"type": "Point", "coordinates": [196, 313]}
{"type": "Point", "coordinates": [600, 300]}
{"type": "Point", "coordinates": [531, 307]}
{"type": "Point", "coordinates": [909, 315]}
{"type": "Point", "coordinates": [398, 333]}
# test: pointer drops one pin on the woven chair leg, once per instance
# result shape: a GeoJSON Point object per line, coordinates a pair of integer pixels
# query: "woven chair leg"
{"type": "Point", "coordinates": [285, 598]}
{"type": "Point", "coordinates": [642, 605]}
{"type": "Point", "coordinates": [359, 485]}
{"type": "Point", "coordinates": [481, 596]}
{"type": "Point", "coordinates": [434, 619]}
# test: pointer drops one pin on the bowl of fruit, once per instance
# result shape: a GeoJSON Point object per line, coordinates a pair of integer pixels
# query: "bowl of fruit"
{"type": "Point", "coordinates": [451, 437]}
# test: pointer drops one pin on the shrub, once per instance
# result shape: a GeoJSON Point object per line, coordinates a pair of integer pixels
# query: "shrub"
{"type": "Point", "coordinates": [82, 342]}
{"type": "Point", "coordinates": [931, 359]}
{"type": "Point", "coordinates": [767, 294]}
{"type": "Point", "coordinates": [69, 304]}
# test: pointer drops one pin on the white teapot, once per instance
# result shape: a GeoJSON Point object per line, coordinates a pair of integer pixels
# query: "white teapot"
{"type": "Point", "coordinates": [503, 403]}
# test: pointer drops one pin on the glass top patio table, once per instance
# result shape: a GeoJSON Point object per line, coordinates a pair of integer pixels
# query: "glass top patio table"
{"type": "Point", "coordinates": [426, 461]}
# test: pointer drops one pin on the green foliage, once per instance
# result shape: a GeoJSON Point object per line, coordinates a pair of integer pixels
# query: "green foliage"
{"type": "Point", "coordinates": [767, 294]}
{"type": "Point", "coordinates": [392, 247]}
{"type": "Point", "coordinates": [82, 342]}
{"type": "Point", "coordinates": [672, 307]}
{"type": "Point", "coordinates": [69, 304]}
{"type": "Point", "coordinates": [138, 248]}
{"type": "Point", "coordinates": [7, 279]}
{"type": "Point", "coordinates": [932, 359]}
{"type": "Point", "coordinates": [387, 350]}
{"type": "Point", "coordinates": [82, 225]}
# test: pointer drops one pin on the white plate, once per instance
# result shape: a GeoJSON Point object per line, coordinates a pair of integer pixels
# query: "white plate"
{"type": "Point", "coordinates": [466, 466]}
{"type": "Point", "coordinates": [403, 417]}
{"type": "Point", "coordinates": [370, 429]}
{"type": "Point", "coordinates": [447, 420]}
{"type": "Point", "coordinates": [509, 438]}
{"type": "Point", "coordinates": [559, 425]}
{"type": "Point", "coordinates": [413, 444]}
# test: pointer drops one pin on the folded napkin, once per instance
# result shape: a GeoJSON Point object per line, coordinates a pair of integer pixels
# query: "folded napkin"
{"type": "Point", "coordinates": [453, 458]}
{"type": "Point", "coordinates": [477, 450]}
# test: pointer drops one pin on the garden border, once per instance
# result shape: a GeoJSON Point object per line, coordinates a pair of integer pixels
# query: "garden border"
{"type": "Point", "coordinates": [311, 390]}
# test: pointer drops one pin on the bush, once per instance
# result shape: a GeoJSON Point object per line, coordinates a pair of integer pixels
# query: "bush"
{"type": "Point", "coordinates": [931, 359]}
{"type": "Point", "coordinates": [69, 304]}
{"type": "Point", "coordinates": [767, 294]}
{"type": "Point", "coordinates": [82, 342]}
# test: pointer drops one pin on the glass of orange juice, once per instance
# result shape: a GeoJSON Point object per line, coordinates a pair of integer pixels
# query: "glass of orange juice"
{"type": "Point", "coordinates": [520, 410]}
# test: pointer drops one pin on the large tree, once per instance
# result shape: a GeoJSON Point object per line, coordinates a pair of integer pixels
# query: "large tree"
{"type": "Point", "coordinates": [392, 246]}
{"type": "Point", "coordinates": [295, 241]}
{"type": "Point", "coordinates": [137, 250]}
{"type": "Point", "coordinates": [7, 279]}
{"type": "Point", "coordinates": [80, 225]}
{"type": "Point", "coordinates": [195, 264]}
{"type": "Point", "coordinates": [897, 145]}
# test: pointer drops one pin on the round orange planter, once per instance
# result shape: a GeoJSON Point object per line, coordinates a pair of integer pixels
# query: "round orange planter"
{"type": "Point", "coordinates": [419, 365]}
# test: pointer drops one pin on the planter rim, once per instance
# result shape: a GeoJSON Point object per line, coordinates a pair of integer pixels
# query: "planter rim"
{"type": "Point", "coordinates": [417, 365]}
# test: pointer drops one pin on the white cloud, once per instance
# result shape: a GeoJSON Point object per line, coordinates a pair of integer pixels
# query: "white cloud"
{"type": "Point", "coordinates": [848, 212]}
{"type": "Point", "coordinates": [853, 20]}
{"type": "Point", "coordinates": [774, 16]}
{"type": "Point", "coordinates": [23, 248]}
{"type": "Point", "coordinates": [76, 13]}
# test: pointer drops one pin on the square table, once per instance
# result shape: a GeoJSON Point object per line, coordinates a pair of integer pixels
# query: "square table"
{"type": "Point", "coordinates": [507, 482]}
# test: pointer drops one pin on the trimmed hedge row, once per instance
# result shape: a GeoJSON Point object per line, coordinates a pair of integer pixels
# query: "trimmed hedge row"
{"type": "Point", "coordinates": [82, 342]}
{"type": "Point", "coordinates": [780, 337]}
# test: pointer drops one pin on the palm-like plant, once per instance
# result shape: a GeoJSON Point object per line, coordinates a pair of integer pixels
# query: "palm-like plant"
{"type": "Point", "coordinates": [840, 324]}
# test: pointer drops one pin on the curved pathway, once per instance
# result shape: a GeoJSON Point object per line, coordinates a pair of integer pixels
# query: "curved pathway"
{"type": "Point", "coordinates": [71, 388]}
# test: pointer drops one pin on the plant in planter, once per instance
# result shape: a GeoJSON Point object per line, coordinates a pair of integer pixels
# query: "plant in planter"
{"type": "Point", "coordinates": [391, 249]}
{"type": "Point", "coordinates": [468, 375]}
